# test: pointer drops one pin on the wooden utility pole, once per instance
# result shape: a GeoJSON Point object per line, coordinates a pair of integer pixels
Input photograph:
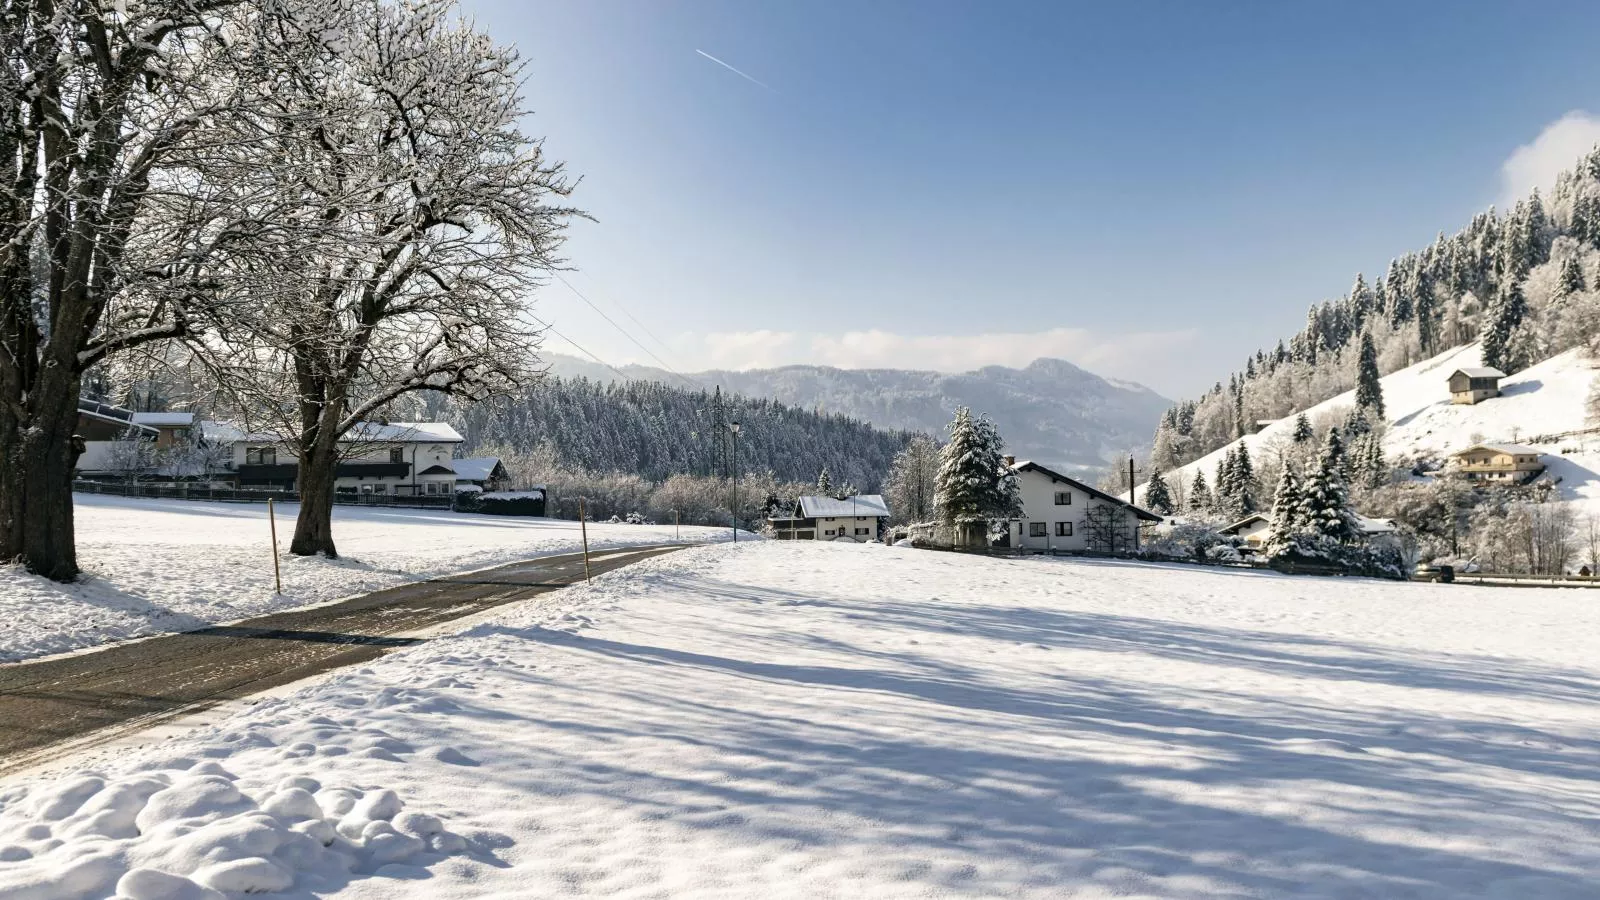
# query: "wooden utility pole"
{"type": "Point", "coordinates": [583, 528]}
{"type": "Point", "coordinates": [277, 569]}
{"type": "Point", "coordinates": [675, 535]}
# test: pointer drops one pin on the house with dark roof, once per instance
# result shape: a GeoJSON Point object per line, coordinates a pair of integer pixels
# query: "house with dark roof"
{"type": "Point", "coordinates": [1062, 513]}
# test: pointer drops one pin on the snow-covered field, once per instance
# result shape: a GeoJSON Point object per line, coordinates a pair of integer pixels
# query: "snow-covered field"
{"type": "Point", "coordinates": [816, 720]}
{"type": "Point", "coordinates": [156, 566]}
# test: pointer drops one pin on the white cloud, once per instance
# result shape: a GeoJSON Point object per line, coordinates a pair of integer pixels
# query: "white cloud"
{"type": "Point", "coordinates": [1558, 146]}
{"type": "Point", "coordinates": [1136, 356]}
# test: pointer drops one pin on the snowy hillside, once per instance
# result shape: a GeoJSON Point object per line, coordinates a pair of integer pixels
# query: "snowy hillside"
{"type": "Point", "coordinates": [158, 566]}
{"type": "Point", "coordinates": [1541, 406]}
{"type": "Point", "coordinates": [788, 720]}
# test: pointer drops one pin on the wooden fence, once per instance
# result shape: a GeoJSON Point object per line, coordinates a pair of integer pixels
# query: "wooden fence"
{"type": "Point", "coordinates": [200, 491]}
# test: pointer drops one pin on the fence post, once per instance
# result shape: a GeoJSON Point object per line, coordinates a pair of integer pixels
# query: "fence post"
{"type": "Point", "coordinates": [277, 573]}
{"type": "Point", "coordinates": [583, 527]}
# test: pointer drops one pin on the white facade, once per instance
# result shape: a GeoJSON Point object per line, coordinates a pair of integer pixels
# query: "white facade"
{"type": "Point", "coordinates": [857, 518]}
{"type": "Point", "coordinates": [404, 458]}
{"type": "Point", "coordinates": [1055, 514]}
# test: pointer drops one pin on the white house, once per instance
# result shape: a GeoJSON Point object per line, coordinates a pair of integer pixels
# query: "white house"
{"type": "Point", "coordinates": [860, 518]}
{"type": "Point", "coordinates": [399, 458]}
{"type": "Point", "coordinates": [107, 432]}
{"type": "Point", "coordinates": [1252, 530]}
{"type": "Point", "coordinates": [1062, 513]}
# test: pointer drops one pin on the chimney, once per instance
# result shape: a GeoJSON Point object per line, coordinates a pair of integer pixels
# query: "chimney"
{"type": "Point", "coordinates": [1011, 460]}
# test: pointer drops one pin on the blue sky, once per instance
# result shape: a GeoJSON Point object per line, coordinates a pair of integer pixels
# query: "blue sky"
{"type": "Point", "coordinates": [1151, 190]}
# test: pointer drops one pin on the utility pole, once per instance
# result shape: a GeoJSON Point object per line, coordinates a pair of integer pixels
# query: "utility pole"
{"type": "Point", "coordinates": [733, 428]}
{"type": "Point", "coordinates": [1130, 480]}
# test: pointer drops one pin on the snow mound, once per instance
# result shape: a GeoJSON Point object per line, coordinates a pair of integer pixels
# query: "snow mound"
{"type": "Point", "coordinates": [192, 834]}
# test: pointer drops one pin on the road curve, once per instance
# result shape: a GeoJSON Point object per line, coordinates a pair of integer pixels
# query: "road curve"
{"type": "Point", "coordinates": [70, 703]}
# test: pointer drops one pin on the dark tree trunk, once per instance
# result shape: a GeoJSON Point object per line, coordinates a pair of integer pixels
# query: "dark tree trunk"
{"type": "Point", "coordinates": [313, 530]}
{"type": "Point", "coordinates": [36, 464]}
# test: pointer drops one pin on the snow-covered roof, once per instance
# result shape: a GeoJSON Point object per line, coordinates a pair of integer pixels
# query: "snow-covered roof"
{"type": "Point", "coordinates": [1244, 523]}
{"type": "Point", "coordinates": [476, 468]}
{"type": "Point", "coordinates": [1513, 449]}
{"type": "Point", "coordinates": [229, 433]}
{"type": "Point", "coordinates": [1479, 372]}
{"type": "Point", "coordinates": [1023, 465]}
{"type": "Point", "coordinates": [417, 432]}
{"type": "Point", "coordinates": [182, 419]}
{"type": "Point", "coordinates": [859, 505]}
{"type": "Point", "coordinates": [1375, 526]}
{"type": "Point", "coordinates": [437, 469]}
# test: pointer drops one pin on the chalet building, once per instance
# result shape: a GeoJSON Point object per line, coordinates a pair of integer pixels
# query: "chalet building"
{"type": "Point", "coordinates": [1062, 513]}
{"type": "Point", "coordinates": [860, 518]}
{"type": "Point", "coordinates": [1475, 384]}
{"type": "Point", "coordinates": [1252, 530]}
{"type": "Point", "coordinates": [105, 427]}
{"type": "Point", "coordinates": [486, 473]}
{"type": "Point", "coordinates": [407, 459]}
{"type": "Point", "coordinates": [1508, 463]}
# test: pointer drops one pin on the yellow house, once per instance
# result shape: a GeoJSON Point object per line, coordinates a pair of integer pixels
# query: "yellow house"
{"type": "Point", "coordinates": [1475, 384]}
{"type": "Point", "coordinates": [1498, 462]}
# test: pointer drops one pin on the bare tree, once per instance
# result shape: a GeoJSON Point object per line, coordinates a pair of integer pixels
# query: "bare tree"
{"type": "Point", "coordinates": [132, 454]}
{"type": "Point", "coordinates": [913, 480]}
{"type": "Point", "coordinates": [102, 241]}
{"type": "Point", "coordinates": [413, 218]}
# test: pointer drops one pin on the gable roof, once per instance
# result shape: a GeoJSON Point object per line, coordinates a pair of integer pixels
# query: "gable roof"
{"type": "Point", "coordinates": [1478, 372]}
{"type": "Point", "coordinates": [180, 419]}
{"type": "Point", "coordinates": [476, 468]}
{"type": "Point", "coordinates": [1026, 465]}
{"type": "Point", "coordinates": [437, 470]}
{"type": "Point", "coordinates": [1244, 523]}
{"type": "Point", "coordinates": [859, 505]}
{"type": "Point", "coordinates": [1513, 449]}
{"type": "Point", "coordinates": [404, 432]}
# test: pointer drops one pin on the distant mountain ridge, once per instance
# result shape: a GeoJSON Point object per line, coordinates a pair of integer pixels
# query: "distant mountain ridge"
{"type": "Point", "coordinates": [1050, 410]}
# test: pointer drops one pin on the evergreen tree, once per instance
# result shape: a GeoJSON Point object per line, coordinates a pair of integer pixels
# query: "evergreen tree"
{"type": "Point", "coordinates": [1223, 486]}
{"type": "Point", "coordinates": [1369, 391]}
{"type": "Point", "coordinates": [1571, 276]}
{"type": "Point", "coordinates": [1500, 327]}
{"type": "Point", "coordinates": [1302, 429]}
{"type": "Point", "coordinates": [824, 483]}
{"type": "Point", "coordinates": [1325, 500]}
{"type": "Point", "coordinates": [1157, 496]}
{"type": "Point", "coordinates": [975, 485]}
{"type": "Point", "coordinates": [1200, 500]}
{"type": "Point", "coordinates": [1287, 515]}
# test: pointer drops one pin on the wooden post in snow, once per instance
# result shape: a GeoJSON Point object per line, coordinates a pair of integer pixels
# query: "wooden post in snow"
{"type": "Point", "coordinates": [583, 527]}
{"type": "Point", "coordinates": [277, 572]}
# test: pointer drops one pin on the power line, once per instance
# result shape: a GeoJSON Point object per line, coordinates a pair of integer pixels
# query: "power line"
{"type": "Point", "coordinates": [642, 327]}
{"type": "Point", "coordinates": [624, 332]}
{"type": "Point", "coordinates": [552, 329]}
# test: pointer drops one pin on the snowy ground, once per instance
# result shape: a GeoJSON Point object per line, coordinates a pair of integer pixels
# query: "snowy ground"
{"type": "Point", "coordinates": [817, 720]}
{"type": "Point", "coordinates": [156, 566]}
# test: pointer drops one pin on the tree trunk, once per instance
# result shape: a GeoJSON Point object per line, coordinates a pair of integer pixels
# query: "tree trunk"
{"type": "Point", "coordinates": [36, 464]}
{"type": "Point", "coordinates": [313, 530]}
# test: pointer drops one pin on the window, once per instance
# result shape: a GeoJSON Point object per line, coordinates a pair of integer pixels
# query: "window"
{"type": "Point", "coordinates": [1036, 529]}
{"type": "Point", "coordinates": [1063, 529]}
{"type": "Point", "coordinates": [380, 489]}
{"type": "Point", "coordinates": [863, 531]}
{"type": "Point", "coordinates": [828, 533]}
{"type": "Point", "coordinates": [397, 455]}
{"type": "Point", "coordinates": [261, 456]}
{"type": "Point", "coordinates": [1063, 498]}
{"type": "Point", "coordinates": [432, 488]}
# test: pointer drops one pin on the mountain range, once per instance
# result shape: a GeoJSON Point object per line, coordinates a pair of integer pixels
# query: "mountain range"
{"type": "Point", "coordinates": [1050, 410]}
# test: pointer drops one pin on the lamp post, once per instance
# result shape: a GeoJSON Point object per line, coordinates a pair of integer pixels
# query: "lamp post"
{"type": "Point", "coordinates": [734, 427]}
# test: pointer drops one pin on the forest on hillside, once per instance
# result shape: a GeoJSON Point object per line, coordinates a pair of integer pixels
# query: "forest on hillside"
{"type": "Point", "coordinates": [655, 431]}
{"type": "Point", "coordinates": [1526, 282]}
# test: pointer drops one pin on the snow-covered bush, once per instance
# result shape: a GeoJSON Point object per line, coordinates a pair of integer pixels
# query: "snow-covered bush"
{"type": "Point", "coordinates": [1188, 537]}
{"type": "Point", "coordinates": [1316, 553]}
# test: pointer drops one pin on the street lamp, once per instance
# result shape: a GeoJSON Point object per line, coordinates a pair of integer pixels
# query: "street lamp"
{"type": "Point", "coordinates": [734, 427]}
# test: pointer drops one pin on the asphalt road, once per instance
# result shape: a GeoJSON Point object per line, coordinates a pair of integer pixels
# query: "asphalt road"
{"type": "Point", "coordinates": [69, 703]}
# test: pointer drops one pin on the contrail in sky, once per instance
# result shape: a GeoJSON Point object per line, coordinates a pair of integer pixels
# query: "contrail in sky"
{"type": "Point", "coordinates": [735, 71]}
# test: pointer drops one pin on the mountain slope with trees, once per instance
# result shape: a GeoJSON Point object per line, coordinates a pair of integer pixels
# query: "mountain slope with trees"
{"type": "Point", "coordinates": [1049, 410]}
{"type": "Point", "coordinates": [1524, 283]}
